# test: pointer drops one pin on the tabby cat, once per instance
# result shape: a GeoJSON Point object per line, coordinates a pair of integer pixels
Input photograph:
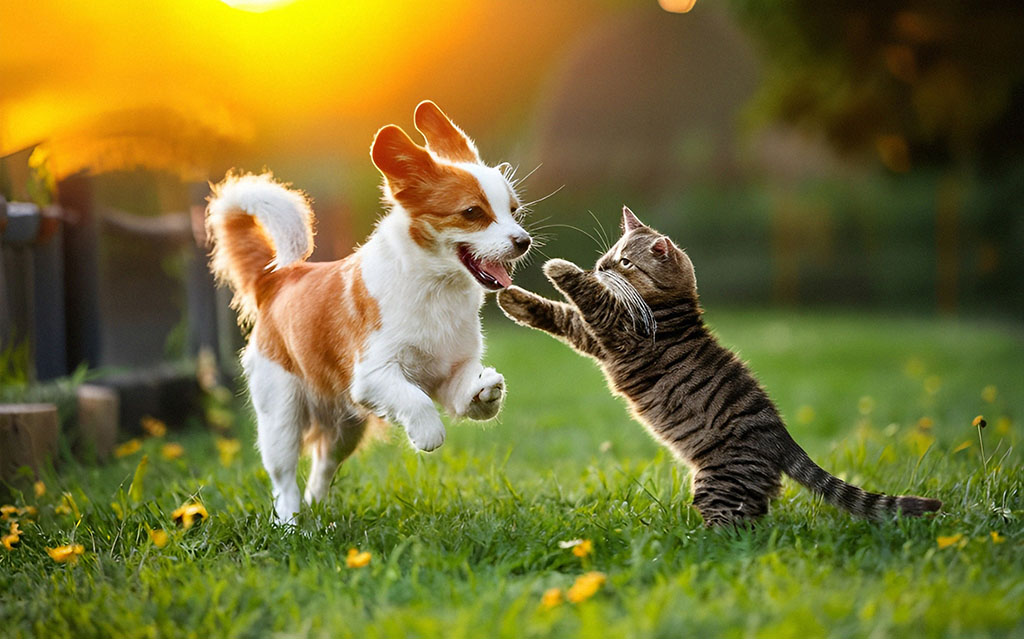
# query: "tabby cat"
{"type": "Point", "coordinates": [637, 313]}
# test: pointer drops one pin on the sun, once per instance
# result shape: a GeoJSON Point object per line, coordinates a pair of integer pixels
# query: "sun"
{"type": "Point", "coordinates": [256, 6]}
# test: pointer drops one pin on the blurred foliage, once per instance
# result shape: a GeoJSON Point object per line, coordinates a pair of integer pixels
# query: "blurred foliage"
{"type": "Point", "coordinates": [937, 82]}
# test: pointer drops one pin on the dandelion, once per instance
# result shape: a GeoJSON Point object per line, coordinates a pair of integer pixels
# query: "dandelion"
{"type": "Point", "coordinates": [189, 514]}
{"type": "Point", "coordinates": [356, 559]}
{"type": "Point", "coordinates": [130, 447]}
{"type": "Point", "coordinates": [957, 540]}
{"type": "Point", "coordinates": [997, 538]}
{"type": "Point", "coordinates": [979, 422]}
{"type": "Point", "coordinates": [67, 506]}
{"type": "Point", "coordinates": [10, 541]}
{"type": "Point", "coordinates": [227, 449]}
{"type": "Point", "coordinates": [925, 423]}
{"type": "Point", "coordinates": [39, 488]}
{"type": "Point", "coordinates": [914, 367]}
{"type": "Point", "coordinates": [989, 393]}
{"type": "Point", "coordinates": [66, 554]}
{"type": "Point", "coordinates": [866, 405]}
{"type": "Point", "coordinates": [153, 426]}
{"type": "Point", "coordinates": [172, 451]}
{"type": "Point", "coordinates": [551, 598]}
{"type": "Point", "coordinates": [582, 549]}
{"type": "Point", "coordinates": [7, 511]}
{"type": "Point", "coordinates": [586, 586]}
{"type": "Point", "coordinates": [28, 511]}
{"type": "Point", "coordinates": [159, 537]}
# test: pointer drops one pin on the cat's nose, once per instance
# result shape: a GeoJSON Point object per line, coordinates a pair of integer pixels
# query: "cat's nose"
{"type": "Point", "coordinates": [521, 242]}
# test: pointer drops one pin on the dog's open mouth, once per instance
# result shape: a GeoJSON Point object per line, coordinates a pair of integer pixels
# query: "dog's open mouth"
{"type": "Point", "coordinates": [491, 275]}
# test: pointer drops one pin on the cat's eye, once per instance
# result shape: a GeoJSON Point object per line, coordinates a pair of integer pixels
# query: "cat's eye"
{"type": "Point", "coordinates": [625, 262]}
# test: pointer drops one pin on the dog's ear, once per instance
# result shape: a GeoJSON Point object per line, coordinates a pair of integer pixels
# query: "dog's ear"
{"type": "Point", "coordinates": [402, 161]}
{"type": "Point", "coordinates": [444, 138]}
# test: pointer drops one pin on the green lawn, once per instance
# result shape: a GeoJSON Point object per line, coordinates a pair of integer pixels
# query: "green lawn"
{"type": "Point", "coordinates": [465, 541]}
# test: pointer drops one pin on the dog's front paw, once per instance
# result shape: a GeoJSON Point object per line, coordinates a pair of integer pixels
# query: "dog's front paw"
{"type": "Point", "coordinates": [557, 269]}
{"type": "Point", "coordinates": [426, 436]}
{"type": "Point", "coordinates": [488, 393]}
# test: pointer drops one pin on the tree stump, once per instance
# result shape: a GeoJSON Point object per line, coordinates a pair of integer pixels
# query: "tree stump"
{"type": "Point", "coordinates": [98, 410]}
{"type": "Point", "coordinates": [28, 437]}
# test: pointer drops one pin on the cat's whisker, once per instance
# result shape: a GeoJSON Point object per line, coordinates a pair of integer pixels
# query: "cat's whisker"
{"type": "Point", "coordinates": [604, 235]}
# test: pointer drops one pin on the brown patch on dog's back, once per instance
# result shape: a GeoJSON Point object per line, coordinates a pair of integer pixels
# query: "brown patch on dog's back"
{"type": "Point", "coordinates": [313, 320]}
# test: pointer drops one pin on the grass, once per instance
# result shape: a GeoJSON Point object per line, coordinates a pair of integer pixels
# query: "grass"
{"type": "Point", "coordinates": [465, 541]}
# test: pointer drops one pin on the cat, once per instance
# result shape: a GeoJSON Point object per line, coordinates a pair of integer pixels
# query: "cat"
{"type": "Point", "coordinates": [638, 314]}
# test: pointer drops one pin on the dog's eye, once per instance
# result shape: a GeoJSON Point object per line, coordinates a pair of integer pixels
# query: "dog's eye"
{"type": "Point", "coordinates": [473, 212]}
{"type": "Point", "coordinates": [625, 262]}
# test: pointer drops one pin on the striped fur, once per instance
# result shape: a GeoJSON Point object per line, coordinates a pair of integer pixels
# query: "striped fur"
{"type": "Point", "coordinates": [694, 395]}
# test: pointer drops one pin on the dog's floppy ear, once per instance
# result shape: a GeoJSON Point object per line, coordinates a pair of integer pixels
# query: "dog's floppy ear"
{"type": "Point", "coordinates": [444, 138]}
{"type": "Point", "coordinates": [402, 161]}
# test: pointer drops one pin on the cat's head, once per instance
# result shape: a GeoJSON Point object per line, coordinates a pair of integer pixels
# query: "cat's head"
{"type": "Point", "coordinates": [650, 262]}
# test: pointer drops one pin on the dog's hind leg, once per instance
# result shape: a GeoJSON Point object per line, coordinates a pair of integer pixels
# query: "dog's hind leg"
{"type": "Point", "coordinates": [330, 446]}
{"type": "Point", "coordinates": [281, 416]}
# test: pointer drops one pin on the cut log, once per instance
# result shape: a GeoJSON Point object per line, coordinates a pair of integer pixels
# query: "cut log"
{"type": "Point", "coordinates": [98, 411]}
{"type": "Point", "coordinates": [28, 437]}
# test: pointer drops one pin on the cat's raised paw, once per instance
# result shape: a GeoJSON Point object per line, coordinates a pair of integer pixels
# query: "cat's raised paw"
{"type": "Point", "coordinates": [558, 267]}
{"type": "Point", "coordinates": [516, 303]}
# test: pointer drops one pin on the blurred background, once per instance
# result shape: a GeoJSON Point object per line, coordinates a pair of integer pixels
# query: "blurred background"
{"type": "Point", "coordinates": [865, 155]}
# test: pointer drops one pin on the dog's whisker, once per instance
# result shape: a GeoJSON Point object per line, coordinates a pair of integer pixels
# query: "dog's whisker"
{"type": "Point", "coordinates": [529, 204]}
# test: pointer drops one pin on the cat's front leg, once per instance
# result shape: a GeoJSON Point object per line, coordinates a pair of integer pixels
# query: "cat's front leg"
{"type": "Point", "coordinates": [557, 318]}
{"type": "Point", "coordinates": [613, 323]}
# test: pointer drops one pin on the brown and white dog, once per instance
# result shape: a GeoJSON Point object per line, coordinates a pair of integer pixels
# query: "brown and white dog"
{"type": "Point", "coordinates": [385, 331]}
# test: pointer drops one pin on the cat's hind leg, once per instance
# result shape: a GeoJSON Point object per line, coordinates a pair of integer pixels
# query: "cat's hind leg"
{"type": "Point", "coordinates": [734, 495]}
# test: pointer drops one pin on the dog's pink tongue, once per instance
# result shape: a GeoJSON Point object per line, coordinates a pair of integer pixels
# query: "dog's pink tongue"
{"type": "Point", "coordinates": [497, 271]}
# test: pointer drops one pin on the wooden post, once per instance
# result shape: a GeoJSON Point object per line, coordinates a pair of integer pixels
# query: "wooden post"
{"type": "Point", "coordinates": [98, 411]}
{"type": "Point", "coordinates": [28, 437]}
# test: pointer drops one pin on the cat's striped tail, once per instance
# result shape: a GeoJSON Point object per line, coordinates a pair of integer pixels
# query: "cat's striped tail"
{"type": "Point", "coordinates": [855, 500]}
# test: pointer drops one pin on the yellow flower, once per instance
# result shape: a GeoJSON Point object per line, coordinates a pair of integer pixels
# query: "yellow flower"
{"type": "Point", "coordinates": [130, 447]}
{"type": "Point", "coordinates": [997, 538]}
{"type": "Point", "coordinates": [989, 393]}
{"type": "Point", "coordinates": [28, 511]}
{"type": "Point", "coordinates": [16, 529]}
{"type": "Point", "coordinates": [357, 559]}
{"type": "Point", "coordinates": [925, 423]}
{"type": "Point", "coordinates": [10, 541]}
{"type": "Point", "coordinates": [68, 553]}
{"type": "Point", "coordinates": [159, 537]}
{"type": "Point", "coordinates": [551, 598]}
{"type": "Point", "coordinates": [979, 422]}
{"type": "Point", "coordinates": [153, 426]}
{"type": "Point", "coordinates": [227, 448]}
{"type": "Point", "coordinates": [932, 384]}
{"type": "Point", "coordinates": [582, 549]}
{"type": "Point", "coordinates": [188, 513]}
{"type": "Point", "coordinates": [866, 405]}
{"type": "Point", "coordinates": [172, 451]}
{"type": "Point", "coordinates": [1003, 425]}
{"type": "Point", "coordinates": [40, 489]}
{"type": "Point", "coordinates": [586, 586]}
{"type": "Point", "coordinates": [914, 367]}
{"type": "Point", "coordinates": [805, 414]}
{"type": "Point", "coordinates": [7, 511]}
{"type": "Point", "coordinates": [67, 506]}
{"type": "Point", "coordinates": [957, 540]}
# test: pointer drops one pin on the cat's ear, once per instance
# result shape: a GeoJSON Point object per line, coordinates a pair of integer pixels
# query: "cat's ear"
{"type": "Point", "coordinates": [630, 221]}
{"type": "Point", "coordinates": [661, 247]}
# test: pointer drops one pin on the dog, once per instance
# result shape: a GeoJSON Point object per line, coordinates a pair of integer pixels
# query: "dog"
{"type": "Point", "coordinates": [384, 332]}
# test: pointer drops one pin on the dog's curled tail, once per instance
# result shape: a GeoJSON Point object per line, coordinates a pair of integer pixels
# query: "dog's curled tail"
{"type": "Point", "coordinates": [255, 225]}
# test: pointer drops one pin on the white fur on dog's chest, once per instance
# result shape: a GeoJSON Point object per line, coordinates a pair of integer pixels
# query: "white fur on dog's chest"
{"type": "Point", "coordinates": [429, 321]}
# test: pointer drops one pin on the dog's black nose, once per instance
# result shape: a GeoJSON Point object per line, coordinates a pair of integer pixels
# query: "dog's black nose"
{"type": "Point", "coordinates": [521, 242]}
